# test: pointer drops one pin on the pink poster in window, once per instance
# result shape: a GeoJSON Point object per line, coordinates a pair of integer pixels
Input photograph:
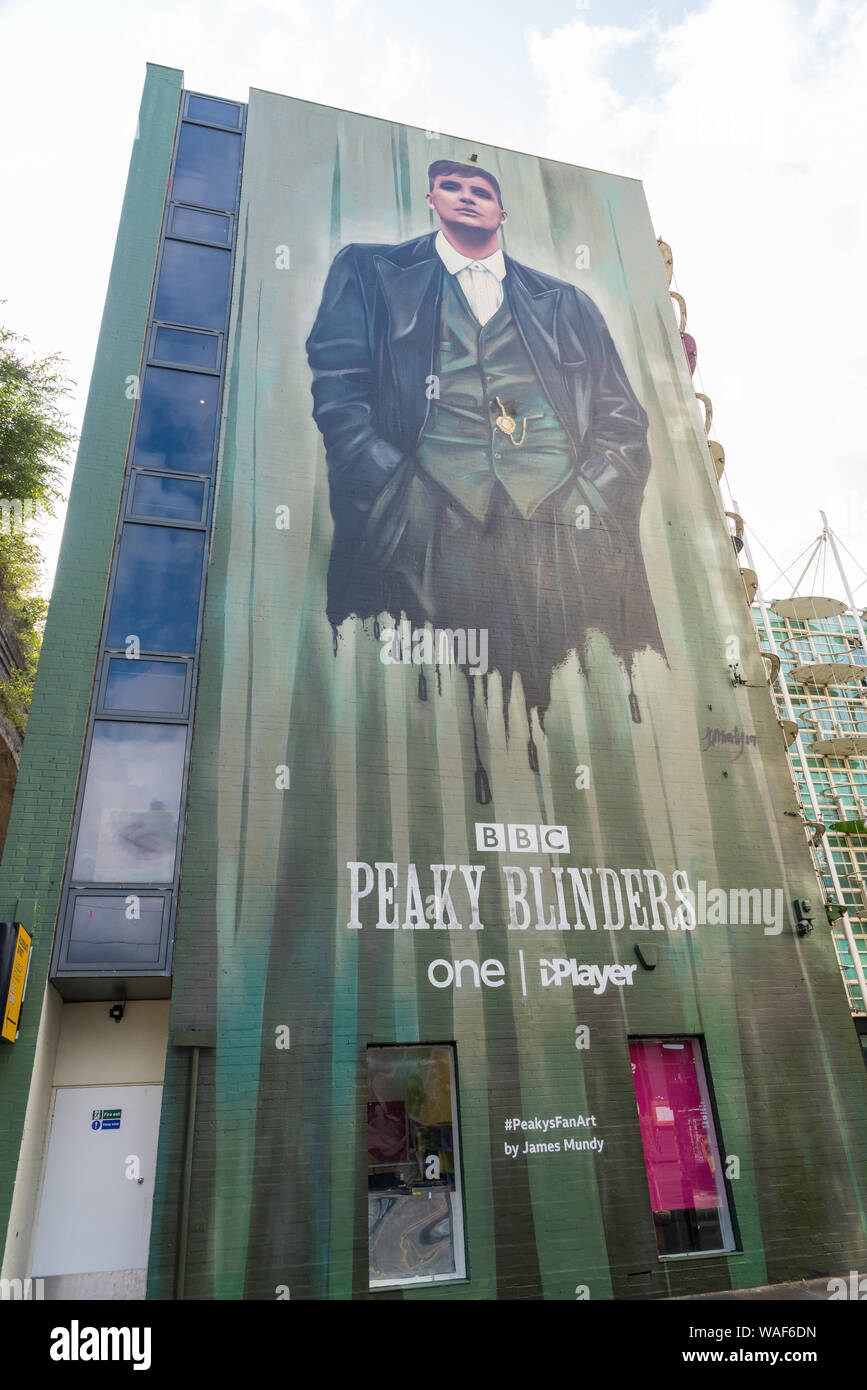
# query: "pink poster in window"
{"type": "Point", "coordinates": [674, 1125]}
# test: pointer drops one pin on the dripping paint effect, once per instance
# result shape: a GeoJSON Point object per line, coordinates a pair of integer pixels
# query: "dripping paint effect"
{"type": "Point", "coordinates": [395, 167]}
{"type": "Point", "coordinates": [485, 689]}
{"type": "Point", "coordinates": [335, 637]}
{"type": "Point", "coordinates": [483, 786]}
{"type": "Point", "coordinates": [439, 679]}
{"type": "Point", "coordinates": [422, 686]}
{"type": "Point", "coordinates": [634, 707]}
{"type": "Point", "coordinates": [335, 203]}
{"type": "Point", "coordinates": [376, 628]}
{"type": "Point", "coordinates": [405, 178]}
{"type": "Point", "coordinates": [532, 750]}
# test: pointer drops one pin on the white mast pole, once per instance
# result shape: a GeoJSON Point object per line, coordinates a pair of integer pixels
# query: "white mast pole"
{"type": "Point", "coordinates": [849, 595]}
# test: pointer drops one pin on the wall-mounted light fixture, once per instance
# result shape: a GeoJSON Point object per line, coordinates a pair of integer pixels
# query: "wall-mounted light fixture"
{"type": "Point", "coordinates": [803, 916]}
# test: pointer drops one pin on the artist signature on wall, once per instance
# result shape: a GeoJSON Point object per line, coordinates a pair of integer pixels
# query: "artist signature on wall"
{"type": "Point", "coordinates": [714, 738]}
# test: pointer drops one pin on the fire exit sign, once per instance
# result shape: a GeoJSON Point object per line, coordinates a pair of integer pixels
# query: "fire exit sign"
{"type": "Point", "coordinates": [106, 1119]}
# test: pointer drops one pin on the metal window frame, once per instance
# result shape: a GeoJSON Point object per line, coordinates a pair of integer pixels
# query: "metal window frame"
{"type": "Point", "coordinates": [125, 522]}
{"type": "Point", "coordinates": [151, 716]}
{"type": "Point", "coordinates": [435, 1281]}
{"type": "Point", "coordinates": [229, 217]}
{"type": "Point", "coordinates": [224, 130]}
{"type": "Point", "coordinates": [199, 120]}
{"type": "Point", "coordinates": [74, 881]}
{"type": "Point", "coordinates": [169, 363]}
{"type": "Point", "coordinates": [93, 982]}
{"type": "Point", "coordinates": [135, 473]}
{"type": "Point", "coordinates": [207, 246]}
{"type": "Point", "coordinates": [166, 939]}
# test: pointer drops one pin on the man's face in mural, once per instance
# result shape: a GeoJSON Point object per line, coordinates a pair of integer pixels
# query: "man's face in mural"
{"type": "Point", "coordinates": [464, 202]}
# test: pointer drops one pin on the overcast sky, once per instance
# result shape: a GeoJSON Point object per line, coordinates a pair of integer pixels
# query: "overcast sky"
{"type": "Point", "coordinates": [745, 119]}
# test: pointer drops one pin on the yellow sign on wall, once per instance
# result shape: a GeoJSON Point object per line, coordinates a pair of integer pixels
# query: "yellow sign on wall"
{"type": "Point", "coordinates": [17, 983]}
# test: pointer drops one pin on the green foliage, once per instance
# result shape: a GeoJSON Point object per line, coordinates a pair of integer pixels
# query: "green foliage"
{"type": "Point", "coordinates": [35, 440]}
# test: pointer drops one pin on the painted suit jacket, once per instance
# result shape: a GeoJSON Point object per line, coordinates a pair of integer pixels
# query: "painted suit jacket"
{"type": "Point", "coordinates": [372, 351]}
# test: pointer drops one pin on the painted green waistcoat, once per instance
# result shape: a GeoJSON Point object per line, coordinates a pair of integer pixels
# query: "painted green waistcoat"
{"type": "Point", "coordinates": [461, 446]}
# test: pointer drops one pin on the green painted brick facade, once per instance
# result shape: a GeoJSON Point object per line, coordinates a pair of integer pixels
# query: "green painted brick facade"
{"type": "Point", "coordinates": [279, 1175]}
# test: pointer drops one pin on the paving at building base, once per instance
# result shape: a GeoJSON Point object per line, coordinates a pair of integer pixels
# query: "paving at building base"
{"type": "Point", "coordinates": [799, 1291]}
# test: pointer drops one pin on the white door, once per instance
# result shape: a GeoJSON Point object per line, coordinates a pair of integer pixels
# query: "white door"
{"type": "Point", "coordinates": [97, 1196]}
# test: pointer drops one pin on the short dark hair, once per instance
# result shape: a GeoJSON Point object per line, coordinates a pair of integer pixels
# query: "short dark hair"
{"type": "Point", "coordinates": [441, 167]}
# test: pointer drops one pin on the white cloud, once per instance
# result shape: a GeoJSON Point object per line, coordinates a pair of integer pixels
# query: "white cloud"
{"type": "Point", "coordinates": [750, 149]}
{"type": "Point", "coordinates": [590, 121]}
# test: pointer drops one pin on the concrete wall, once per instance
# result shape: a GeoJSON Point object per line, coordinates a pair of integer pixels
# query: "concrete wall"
{"type": "Point", "coordinates": [93, 1050]}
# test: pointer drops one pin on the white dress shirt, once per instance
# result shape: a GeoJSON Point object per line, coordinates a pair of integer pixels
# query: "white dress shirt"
{"type": "Point", "coordinates": [481, 281]}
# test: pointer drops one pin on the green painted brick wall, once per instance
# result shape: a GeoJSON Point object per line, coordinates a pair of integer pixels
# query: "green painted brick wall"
{"type": "Point", "coordinates": [279, 1165]}
{"type": "Point", "coordinates": [35, 850]}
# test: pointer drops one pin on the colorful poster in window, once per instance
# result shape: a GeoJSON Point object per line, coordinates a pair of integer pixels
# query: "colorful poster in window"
{"type": "Point", "coordinates": [674, 1126]}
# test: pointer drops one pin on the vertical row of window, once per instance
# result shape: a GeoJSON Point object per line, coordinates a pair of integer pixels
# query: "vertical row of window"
{"type": "Point", "coordinates": [415, 1211]}
{"type": "Point", "coordinates": [839, 785]}
{"type": "Point", "coordinates": [117, 912]}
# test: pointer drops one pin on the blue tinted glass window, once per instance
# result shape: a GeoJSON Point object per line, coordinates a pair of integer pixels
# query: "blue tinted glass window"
{"type": "Point", "coordinates": [194, 285]}
{"type": "Point", "coordinates": [132, 795]}
{"type": "Point", "coordinates": [181, 499]}
{"type": "Point", "coordinates": [156, 595]}
{"type": "Point", "coordinates": [219, 112]}
{"type": "Point", "coordinates": [186, 348]}
{"type": "Point", "coordinates": [102, 932]}
{"type": "Point", "coordinates": [154, 686]}
{"type": "Point", "coordinates": [202, 226]}
{"type": "Point", "coordinates": [206, 170]}
{"type": "Point", "coordinates": [177, 422]}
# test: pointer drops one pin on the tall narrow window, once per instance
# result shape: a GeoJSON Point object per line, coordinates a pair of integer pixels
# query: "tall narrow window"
{"type": "Point", "coordinates": [415, 1222]}
{"type": "Point", "coordinates": [132, 792]}
{"type": "Point", "coordinates": [178, 420]}
{"type": "Point", "coordinates": [684, 1169]}
{"type": "Point", "coordinates": [206, 169]}
{"type": "Point", "coordinates": [194, 285]}
{"type": "Point", "coordinates": [156, 591]}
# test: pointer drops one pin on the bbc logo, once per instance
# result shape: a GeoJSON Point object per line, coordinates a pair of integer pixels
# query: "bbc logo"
{"type": "Point", "coordinates": [523, 839]}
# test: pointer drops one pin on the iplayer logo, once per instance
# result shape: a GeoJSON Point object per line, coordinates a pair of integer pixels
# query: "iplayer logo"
{"type": "Point", "coordinates": [556, 971]}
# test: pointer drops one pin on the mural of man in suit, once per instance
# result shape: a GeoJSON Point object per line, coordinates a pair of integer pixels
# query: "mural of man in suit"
{"type": "Point", "coordinates": [487, 456]}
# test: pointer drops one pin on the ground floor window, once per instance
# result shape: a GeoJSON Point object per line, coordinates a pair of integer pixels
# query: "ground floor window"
{"type": "Point", "coordinates": [684, 1170]}
{"type": "Point", "coordinates": [415, 1222]}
